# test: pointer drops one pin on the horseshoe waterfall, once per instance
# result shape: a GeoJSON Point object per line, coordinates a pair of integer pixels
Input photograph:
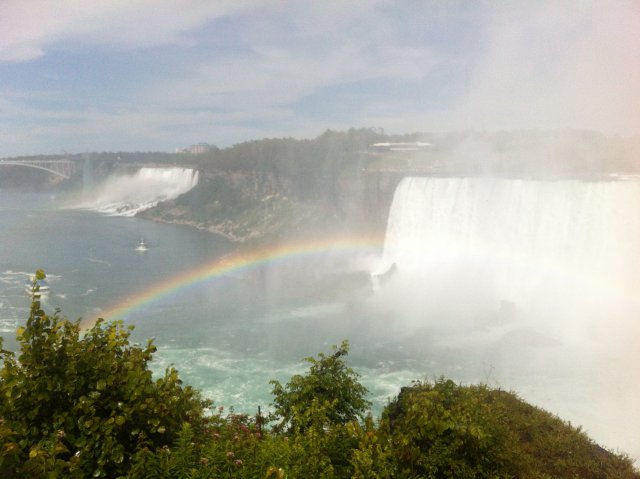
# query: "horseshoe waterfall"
{"type": "Point", "coordinates": [535, 284]}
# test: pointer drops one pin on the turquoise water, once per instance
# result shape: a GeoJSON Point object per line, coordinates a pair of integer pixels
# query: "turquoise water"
{"type": "Point", "coordinates": [232, 334]}
{"type": "Point", "coordinates": [227, 336]}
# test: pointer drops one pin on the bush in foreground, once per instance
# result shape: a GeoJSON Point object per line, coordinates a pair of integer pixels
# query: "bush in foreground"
{"type": "Point", "coordinates": [329, 385]}
{"type": "Point", "coordinates": [430, 430]}
{"type": "Point", "coordinates": [76, 404]}
{"type": "Point", "coordinates": [442, 430]}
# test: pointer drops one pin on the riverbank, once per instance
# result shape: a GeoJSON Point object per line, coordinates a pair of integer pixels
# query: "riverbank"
{"type": "Point", "coordinates": [263, 220]}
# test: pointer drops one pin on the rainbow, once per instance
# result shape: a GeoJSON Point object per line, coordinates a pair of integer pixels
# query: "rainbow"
{"type": "Point", "coordinates": [241, 260]}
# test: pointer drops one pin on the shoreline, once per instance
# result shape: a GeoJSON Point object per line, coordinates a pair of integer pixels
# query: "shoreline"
{"type": "Point", "coordinates": [192, 224]}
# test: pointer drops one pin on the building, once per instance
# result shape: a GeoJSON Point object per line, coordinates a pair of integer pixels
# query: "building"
{"type": "Point", "coordinates": [196, 149]}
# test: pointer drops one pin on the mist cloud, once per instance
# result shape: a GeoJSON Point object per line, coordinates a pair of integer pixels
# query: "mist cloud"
{"type": "Point", "coordinates": [547, 65]}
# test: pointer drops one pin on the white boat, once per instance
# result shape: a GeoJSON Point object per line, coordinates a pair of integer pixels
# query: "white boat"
{"type": "Point", "coordinates": [141, 246]}
{"type": "Point", "coordinates": [38, 286]}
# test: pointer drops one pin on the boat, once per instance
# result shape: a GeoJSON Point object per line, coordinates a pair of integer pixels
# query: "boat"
{"type": "Point", "coordinates": [141, 246]}
{"type": "Point", "coordinates": [36, 286]}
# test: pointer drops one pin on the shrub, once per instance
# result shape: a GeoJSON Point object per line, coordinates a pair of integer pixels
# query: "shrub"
{"type": "Point", "coordinates": [81, 404]}
{"type": "Point", "coordinates": [330, 383]}
{"type": "Point", "coordinates": [442, 430]}
{"type": "Point", "coordinates": [445, 430]}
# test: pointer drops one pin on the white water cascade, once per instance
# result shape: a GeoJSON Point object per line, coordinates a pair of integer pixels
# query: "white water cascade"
{"type": "Point", "coordinates": [522, 235]}
{"type": "Point", "coordinates": [535, 281]}
{"type": "Point", "coordinates": [127, 194]}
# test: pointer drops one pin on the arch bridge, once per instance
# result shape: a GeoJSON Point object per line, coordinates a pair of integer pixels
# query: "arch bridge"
{"type": "Point", "coordinates": [62, 168]}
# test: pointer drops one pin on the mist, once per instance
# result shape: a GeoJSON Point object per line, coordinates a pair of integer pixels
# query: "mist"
{"type": "Point", "coordinates": [526, 284]}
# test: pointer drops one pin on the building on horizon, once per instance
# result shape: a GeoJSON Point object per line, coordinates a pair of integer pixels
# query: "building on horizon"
{"type": "Point", "coordinates": [196, 149]}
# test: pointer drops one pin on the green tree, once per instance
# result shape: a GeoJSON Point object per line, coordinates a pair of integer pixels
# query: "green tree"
{"type": "Point", "coordinates": [330, 384]}
{"type": "Point", "coordinates": [80, 404]}
{"type": "Point", "coordinates": [315, 410]}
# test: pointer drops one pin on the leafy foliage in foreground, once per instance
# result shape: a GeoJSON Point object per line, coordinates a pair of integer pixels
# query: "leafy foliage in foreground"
{"type": "Point", "coordinates": [330, 386]}
{"type": "Point", "coordinates": [442, 429]}
{"type": "Point", "coordinates": [431, 430]}
{"type": "Point", "coordinates": [74, 405]}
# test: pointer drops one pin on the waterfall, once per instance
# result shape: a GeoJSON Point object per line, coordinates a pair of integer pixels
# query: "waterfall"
{"type": "Point", "coordinates": [127, 194]}
{"type": "Point", "coordinates": [553, 249]}
{"type": "Point", "coordinates": [532, 284]}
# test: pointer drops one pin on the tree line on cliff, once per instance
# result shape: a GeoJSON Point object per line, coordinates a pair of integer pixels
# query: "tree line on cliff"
{"type": "Point", "coordinates": [273, 187]}
{"type": "Point", "coordinates": [314, 164]}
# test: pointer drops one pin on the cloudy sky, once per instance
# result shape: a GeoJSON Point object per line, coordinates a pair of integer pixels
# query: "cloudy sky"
{"type": "Point", "coordinates": [120, 75]}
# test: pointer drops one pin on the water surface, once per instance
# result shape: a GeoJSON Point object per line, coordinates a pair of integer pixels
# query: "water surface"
{"type": "Point", "coordinates": [230, 335]}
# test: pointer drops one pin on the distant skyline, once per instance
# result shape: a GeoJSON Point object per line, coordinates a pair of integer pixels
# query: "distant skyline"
{"type": "Point", "coordinates": [156, 75]}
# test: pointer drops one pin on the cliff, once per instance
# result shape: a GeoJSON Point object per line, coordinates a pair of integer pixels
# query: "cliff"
{"type": "Point", "coordinates": [265, 189]}
{"type": "Point", "coordinates": [249, 208]}
{"type": "Point", "coordinates": [262, 190]}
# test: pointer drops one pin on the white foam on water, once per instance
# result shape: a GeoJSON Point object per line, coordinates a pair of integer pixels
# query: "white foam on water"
{"type": "Point", "coordinates": [229, 379]}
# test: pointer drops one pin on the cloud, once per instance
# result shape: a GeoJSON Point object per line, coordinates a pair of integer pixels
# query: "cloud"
{"type": "Point", "coordinates": [197, 70]}
{"type": "Point", "coordinates": [276, 53]}
{"type": "Point", "coordinates": [30, 27]}
{"type": "Point", "coordinates": [278, 76]}
{"type": "Point", "coordinates": [290, 55]}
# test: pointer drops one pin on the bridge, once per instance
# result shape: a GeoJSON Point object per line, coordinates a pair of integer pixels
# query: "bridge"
{"type": "Point", "coordinates": [62, 168]}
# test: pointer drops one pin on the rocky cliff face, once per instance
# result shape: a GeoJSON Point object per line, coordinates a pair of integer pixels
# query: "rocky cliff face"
{"type": "Point", "coordinates": [248, 206]}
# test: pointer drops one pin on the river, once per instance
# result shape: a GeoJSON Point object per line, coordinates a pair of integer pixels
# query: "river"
{"type": "Point", "coordinates": [230, 323]}
{"type": "Point", "coordinates": [227, 334]}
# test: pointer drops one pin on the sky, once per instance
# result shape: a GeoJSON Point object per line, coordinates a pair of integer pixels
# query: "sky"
{"type": "Point", "coordinates": [156, 75]}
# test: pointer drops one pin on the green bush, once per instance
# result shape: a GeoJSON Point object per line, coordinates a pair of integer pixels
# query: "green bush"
{"type": "Point", "coordinates": [442, 430]}
{"type": "Point", "coordinates": [80, 404]}
{"type": "Point", "coordinates": [329, 385]}
{"type": "Point", "coordinates": [445, 430]}
{"type": "Point", "coordinates": [319, 440]}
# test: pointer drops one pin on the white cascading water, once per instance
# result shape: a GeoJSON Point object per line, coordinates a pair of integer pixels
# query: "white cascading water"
{"type": "Point", "coordinates": [539, 281]}
{"type": "Point", "coordinates": [526, 234]}
{"type": "Point", "coordinates": [127, 194]}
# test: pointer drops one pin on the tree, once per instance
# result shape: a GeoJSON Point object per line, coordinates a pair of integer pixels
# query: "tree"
{"type": "Point", "coordinates": [80, 404]}
{"type": "Point", "coordinates": [330, 386]}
